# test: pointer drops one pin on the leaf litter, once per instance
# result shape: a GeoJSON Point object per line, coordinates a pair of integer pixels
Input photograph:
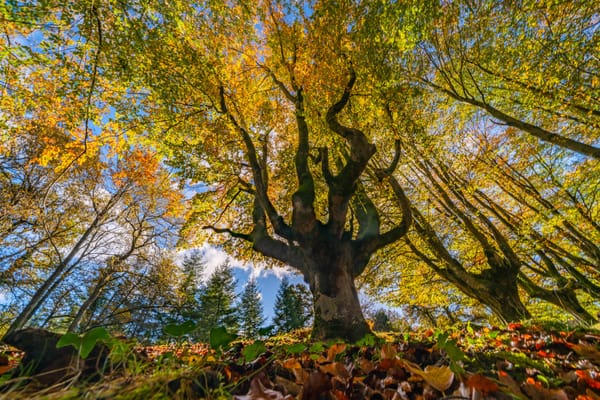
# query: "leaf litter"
{"type": "Point", "coordinates": [514, 363]}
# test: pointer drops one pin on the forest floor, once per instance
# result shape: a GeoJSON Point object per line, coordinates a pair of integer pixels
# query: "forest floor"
{"type": "Point", "coordinates": [516, 362]}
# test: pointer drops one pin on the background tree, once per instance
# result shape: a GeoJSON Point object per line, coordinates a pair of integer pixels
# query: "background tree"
{"type": "Point", "coordinates": [191, 287]}
{"type": "Point", "coordinates": [218, 303]}
{"type": "Point", "coordinates": [292, 308]}
{"type": "Point", "coordinates": [250, 310]}
{"type": "Point", "coordinates": [381, 321]}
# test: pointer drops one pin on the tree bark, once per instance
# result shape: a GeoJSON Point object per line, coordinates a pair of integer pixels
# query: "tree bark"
{"type": "Point", "coordinates": [329, 274]}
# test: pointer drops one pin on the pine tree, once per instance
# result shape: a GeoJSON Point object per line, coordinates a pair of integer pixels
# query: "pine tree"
{"type": "Point", "coordinates": [250, 310]}
{"type": "Point", "coordinates": [217, 303]}
{"type": "Point", "coordinates": [190, 287]}
{"type": "Point", "coordinates": [293, 307]}
{"type": "Point", "coordinates": [381, 321]}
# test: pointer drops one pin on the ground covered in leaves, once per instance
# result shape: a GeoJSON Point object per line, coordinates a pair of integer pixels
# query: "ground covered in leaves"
{"type": "Point", "coordinates": [517, 362]}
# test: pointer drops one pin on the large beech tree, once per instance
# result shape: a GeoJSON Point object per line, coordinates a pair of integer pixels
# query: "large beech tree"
{"type": "Point", "coordinates": [268, 114]}
{"type": "Point", "coordinates": [290, 117]}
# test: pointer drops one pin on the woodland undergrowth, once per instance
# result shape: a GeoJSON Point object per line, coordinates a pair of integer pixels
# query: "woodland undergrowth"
{"type": "Point", "coordinates": [519, 361]}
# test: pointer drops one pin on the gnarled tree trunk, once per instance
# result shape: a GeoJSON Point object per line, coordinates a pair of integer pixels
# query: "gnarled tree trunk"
{"type": "Point", "coordinates": [330, 254]}
{"type": "Point", "coordinates": [336, 305]}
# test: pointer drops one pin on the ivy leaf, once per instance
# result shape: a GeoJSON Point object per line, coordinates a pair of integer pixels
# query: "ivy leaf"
{"type": "Point", "coordinates": [91, 338]}
{"type": "Point", "coordinates": [69, 339]}
{"type": "Point", "coordinates": [86, 343]}
{"type": "Point", "coordinates": [295, 348]}
{"type": "Point", "coordinates": [367, 340]}
{"type": "Point", "coordinates": [220, 338]}
{"type": "Point", "coordinates": [251, 352]}
{"type": "Point", "coordinates": [178, 330]}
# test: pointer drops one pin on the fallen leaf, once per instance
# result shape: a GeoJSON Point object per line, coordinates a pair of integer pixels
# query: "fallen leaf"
{"type": "Point", "coordinates": [510, 383]}
{"type": "Point", "coordinates": [515, 326]}
{"type": "Point", "coordinates": [316, 384]}
{"type": "Point", "coordinates": [587, 378]}
{"type": "Point", "coordinates": [291, 363]}
{"type": "Point", "coordinates": [365, 365]}
{"type": "Point", "coordinates": [440, 378]}
{"type": "Point", "coordinates": [388, 351]}
{"type": "Point", "coordinates": [291, 388]}
{"type": "Point", "coordinates": [587, 351]}
{"type": "Point", "coordinates": [258, 391]}
{"type": "Point", "coordinates": [335, 369]}
{"type": "Point", "coordinates": [334, 350]}
{"type": "Point", "coordinates": [482, 384]}
{"type": "Point", "coordinates": [536, 392]}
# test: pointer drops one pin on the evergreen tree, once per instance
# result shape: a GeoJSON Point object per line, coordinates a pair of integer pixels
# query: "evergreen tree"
{"type": "Point", "coordinates": [190, 288]}
{"type": "Point", "coordinates": [293, 307]}
{"type": "Point", "coordinates": [250, 310]}
{"type": "Point", "coordinates": [217, 303]}
{"type": "Point", "coordinates": [381, 321]}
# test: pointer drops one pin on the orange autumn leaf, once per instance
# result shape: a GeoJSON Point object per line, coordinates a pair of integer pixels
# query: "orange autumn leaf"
{"type": "Point", "coordinates": [482, 383]}
{"type": "Point", "coordinates": [291, 363]}
{"type": "Point", "coordinates": [334, 350]}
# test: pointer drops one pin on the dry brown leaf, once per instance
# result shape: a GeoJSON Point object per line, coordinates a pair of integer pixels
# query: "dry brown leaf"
{"type": "Point", "coordinates": [482, 384]}
{"type": "Point", "coordinates": [536, 392]}
{"type": "Point", "coordinates": [335, 369]}
{"type": "Point", "coordinates": [588, 351]}
{"type": "Point", "coordinates": [365, 365]}
{"type": "Point", "coordinates": [510, 383]}
{"type": "Point", "coordinates": [258, 391]}
{"type": "Point", "coordinates": [316, 384]}
{"type": "Point", "coordinates": [291, 363]}
{"type": "Point", "coordinates": [388, 352]}
{"type": "Point", "coordinates": [440, 378]}
{"type": "Point", "coordinates": [334, 350]}
{"type": "Point", "coordinates": [291, 388]}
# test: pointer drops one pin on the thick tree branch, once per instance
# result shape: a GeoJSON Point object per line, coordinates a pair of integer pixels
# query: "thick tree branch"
{"type": "Point", "coordinates": [366, 213]}
{"type": "Point", "coordinates": [342, 186]}
{"type": "Point", "coordinates": [324, 157]}
{"type": "Point", "coordinates": [304, 219]}
{"type": "Point", "coordinates": [280, 227]}
{"type": "Point", "coordinates": [374, 243]}
{"type": "Point", "coordinates": [394, 164]}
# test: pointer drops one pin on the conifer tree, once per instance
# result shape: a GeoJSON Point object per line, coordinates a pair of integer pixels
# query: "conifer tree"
{"type": "Point", "coordinates": [250, 310]}
{"type": "Point", "coordinates": [293, 307]}
{"type": "Point", "coordinates": [381, 321]}
{"type": "Point", "coordinates": [217, 303]}
{"type": "Point", "coordinates": [190, 287]}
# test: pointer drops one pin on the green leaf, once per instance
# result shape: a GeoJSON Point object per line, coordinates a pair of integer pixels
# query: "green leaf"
{"type": "Point", "coordinates": [91, 338]}
{"type": "Point", "coordinates": [295, 348]}
{"type": "Point", "coordinates": [179, 330]}
{"type": "Point", "coordinates": [367, 340]}
{"type": "Point", "coordinates": [220, 338]}
{"type": "Point", "coordinates": [251, 352]}
{"type": "Point", "coordinates": [317, 347]}
{"type": "Point", "coordinates": [69, 339]}
{"type": "Point", "coordinates": [84, 344]}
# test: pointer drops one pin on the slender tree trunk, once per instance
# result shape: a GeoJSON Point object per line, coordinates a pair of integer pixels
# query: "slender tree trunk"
{"type": "Point", "coordinates": [103, 279]}
{"type": "Point", "coordinates": [48, 286]}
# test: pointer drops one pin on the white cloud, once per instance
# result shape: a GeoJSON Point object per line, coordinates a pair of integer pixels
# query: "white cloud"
{"type": "Point", "coordinates": [213, 257]}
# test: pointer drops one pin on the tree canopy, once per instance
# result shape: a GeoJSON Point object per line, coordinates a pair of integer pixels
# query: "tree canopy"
{"type": "Point", "coordinates": [393, 145]}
